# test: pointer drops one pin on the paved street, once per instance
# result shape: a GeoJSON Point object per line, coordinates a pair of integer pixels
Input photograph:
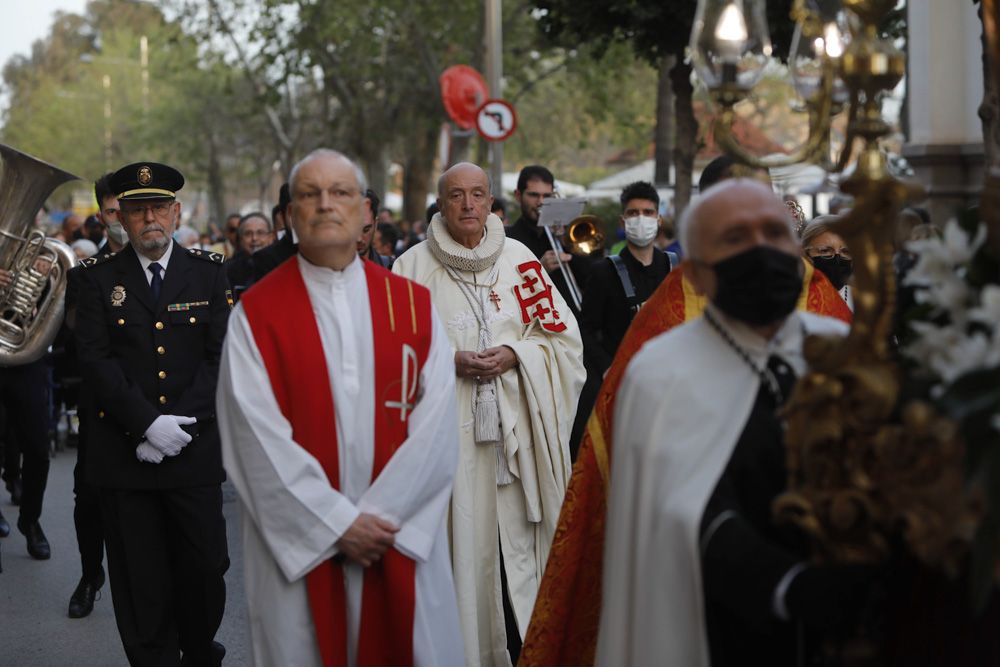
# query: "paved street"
{"type": "Point", "coordinates": [34, 595]}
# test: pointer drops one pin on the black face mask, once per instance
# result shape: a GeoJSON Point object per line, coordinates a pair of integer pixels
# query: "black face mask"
{"type": "Point", "coordinates": [836, 268]}
{"type": "Point", "coordinates": [758, 286]}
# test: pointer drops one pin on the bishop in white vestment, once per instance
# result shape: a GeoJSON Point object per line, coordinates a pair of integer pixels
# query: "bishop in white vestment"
{"type": "Point", "coordinates": [514, 416]}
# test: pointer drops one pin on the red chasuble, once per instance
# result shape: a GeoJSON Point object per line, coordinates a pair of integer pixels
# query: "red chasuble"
{"type": "Point", "coordinates": [283, 326]}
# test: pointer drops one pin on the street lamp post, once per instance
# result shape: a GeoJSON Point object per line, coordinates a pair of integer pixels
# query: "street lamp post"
{"type": "Point", "coordinates": [106, 83]}
{"type": "Point", "coordinates": [854, 440]}
{"type": "Point", "coordinates": [494, 79]}
{"type": "Point", "coordinates": [144, 65]}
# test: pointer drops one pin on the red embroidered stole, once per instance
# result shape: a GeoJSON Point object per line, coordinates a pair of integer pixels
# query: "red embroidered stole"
{"type": "Point", "coordinates": [284, 328]}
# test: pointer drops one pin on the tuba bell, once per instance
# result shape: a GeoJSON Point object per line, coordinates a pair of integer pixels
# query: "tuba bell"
{"type": "Point", "coordinates": [31, 307]}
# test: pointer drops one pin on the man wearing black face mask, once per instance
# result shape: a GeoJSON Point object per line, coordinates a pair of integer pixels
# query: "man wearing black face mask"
{"type": "Point", "coordinates": [699, 458]}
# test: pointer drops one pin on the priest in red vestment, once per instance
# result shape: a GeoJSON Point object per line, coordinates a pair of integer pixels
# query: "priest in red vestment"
{"type": "Point", "coordinates": [336, 405]}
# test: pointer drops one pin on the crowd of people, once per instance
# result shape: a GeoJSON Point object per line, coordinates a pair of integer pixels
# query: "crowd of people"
{"type": "Point", "coordinates": [399, 407]}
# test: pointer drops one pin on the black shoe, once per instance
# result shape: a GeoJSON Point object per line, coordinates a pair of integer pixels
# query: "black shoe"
{"type": "Point", "coordinates": [14, 487]}
{"type": "Point", "coordinates": [81, 603]}
{"type": "Point", "coordinates": [216, 652]}
{"type": "Point", "coordinates": [4, 526]}
{"type": "Point", "coordinates": [38, 546]}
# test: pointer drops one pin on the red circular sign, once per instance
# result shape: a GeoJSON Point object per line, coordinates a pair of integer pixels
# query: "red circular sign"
{"type": "Point", "coordinates": [463, 91]}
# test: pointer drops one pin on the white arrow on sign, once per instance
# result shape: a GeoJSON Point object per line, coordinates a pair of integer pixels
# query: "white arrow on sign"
{"type": "Point", "coordinates": [496, 120]}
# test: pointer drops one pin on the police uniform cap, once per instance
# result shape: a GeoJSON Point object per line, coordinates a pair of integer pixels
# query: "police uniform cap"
{"type": "Point", "coordinates": [146, 180]}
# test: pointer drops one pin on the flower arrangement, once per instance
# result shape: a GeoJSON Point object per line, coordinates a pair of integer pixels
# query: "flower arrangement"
{"type": "Point", "coordinates": [950, 341]}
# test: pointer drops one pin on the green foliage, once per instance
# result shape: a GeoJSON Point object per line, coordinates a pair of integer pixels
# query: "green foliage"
{"type": "Point", "coordinates": [653, 29]}
{"type": "Point", "coordinates": [237, 86]}
{"type": "Point", "coordinates": [194, 116]}
{"type": "Point", "coordinates": [593, 107]}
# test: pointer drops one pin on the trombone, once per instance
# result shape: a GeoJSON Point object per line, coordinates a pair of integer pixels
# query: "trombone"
{"type": "Point", "coordinates": [584, 237]}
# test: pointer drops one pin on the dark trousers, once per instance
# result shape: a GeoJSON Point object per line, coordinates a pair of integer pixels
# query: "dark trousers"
{"type": "Point", "coordinates": [87, 515]}
{"type": "Point", "coordinates": [24, 392]}
{"type": "Point", "coordinates": [510, 623]}
{"type": "Point", "coordinates": [167, 555]}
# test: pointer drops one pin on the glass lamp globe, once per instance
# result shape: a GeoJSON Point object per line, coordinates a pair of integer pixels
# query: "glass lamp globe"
{"type": "Point", "coordinates": [812, 48]}
{"type": "Point", "coordinates": [730, 43]}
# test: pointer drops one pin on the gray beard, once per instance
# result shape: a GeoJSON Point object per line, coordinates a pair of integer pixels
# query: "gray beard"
{"type": "Point", "coordinates": [153, 244]}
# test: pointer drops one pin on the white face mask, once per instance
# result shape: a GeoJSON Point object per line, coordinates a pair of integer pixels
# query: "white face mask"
{"type": "Point", "coordinates": [641, 230]}
{"type": "Point", "coordinates": [117, 233]}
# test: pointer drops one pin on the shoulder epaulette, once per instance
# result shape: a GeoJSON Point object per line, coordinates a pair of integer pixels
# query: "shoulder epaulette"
{"type": "Point", "coordinates": [96, 259]}
{"type": "Point", "coordinates": [206, 255]}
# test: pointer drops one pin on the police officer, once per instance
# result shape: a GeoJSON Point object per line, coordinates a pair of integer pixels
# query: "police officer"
{"type": "Point", "coordinates": [149, 327]}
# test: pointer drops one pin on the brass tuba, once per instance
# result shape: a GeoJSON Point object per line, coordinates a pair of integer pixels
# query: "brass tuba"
{"type": "Point", "coordinates": [31, 307]}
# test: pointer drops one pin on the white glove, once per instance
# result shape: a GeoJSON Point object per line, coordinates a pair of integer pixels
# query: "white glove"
{"type": "Point", "coordinates": [166, 435]}
{"type": "Point", "coordinates": [146, 453]}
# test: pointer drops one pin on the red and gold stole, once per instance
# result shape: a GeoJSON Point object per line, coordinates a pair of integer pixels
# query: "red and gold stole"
{"type": "Point", "coordinates": [283, 326]}
{"type": "Point", "coordinates": [567, 613]}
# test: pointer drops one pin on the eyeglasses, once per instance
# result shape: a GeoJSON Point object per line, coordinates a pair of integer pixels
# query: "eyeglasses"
{"type": "Point", "coordinates": [531, 194]}
{"type": "Point", "coordinates": [827, 252]}
{"type": "Point", "coordinates": [159, 209]}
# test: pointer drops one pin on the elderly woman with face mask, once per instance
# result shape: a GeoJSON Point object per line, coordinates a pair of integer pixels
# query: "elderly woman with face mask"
{"type": "Point", "coordinates": [828, 253]}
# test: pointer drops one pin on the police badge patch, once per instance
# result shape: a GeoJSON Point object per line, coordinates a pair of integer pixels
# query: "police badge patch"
{"type": "Point", "coordinates": [118, 295]}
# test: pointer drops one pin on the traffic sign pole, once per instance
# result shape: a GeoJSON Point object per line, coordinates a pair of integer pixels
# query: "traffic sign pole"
{"type": "Point", "coordinates": [494, 79]}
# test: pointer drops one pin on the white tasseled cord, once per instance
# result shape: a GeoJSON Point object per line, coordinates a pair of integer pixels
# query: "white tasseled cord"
{"type": "Point", "coordinates": [485, 408]}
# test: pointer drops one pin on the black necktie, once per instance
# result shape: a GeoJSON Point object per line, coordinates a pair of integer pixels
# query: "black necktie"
{"type": "Point", "coordinates": [157, 282]}
{"type": "Point", "coordinates": [783, 375]}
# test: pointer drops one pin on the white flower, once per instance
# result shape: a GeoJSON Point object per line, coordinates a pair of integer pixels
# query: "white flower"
{"type": "Point", "coordinates": [949, 353]}
{"type": "Point", "coordinates": [932, 341]}
{"type": "Point", "coordinates": [988, 311]}
{"type": "Point", "coordinates": [971, 353]}
{"type": "Point", "coordinates": [933, 263]}
{"type": "Point", "coordinates": [940, 257]}
{"type": "Point", "coordinates": [948, 293]}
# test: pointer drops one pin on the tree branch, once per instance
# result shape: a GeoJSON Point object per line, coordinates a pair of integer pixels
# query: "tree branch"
{"type": "Point", "coordinates": [541, 77]}
{"type": "Point", "coordinates": [274, 119]}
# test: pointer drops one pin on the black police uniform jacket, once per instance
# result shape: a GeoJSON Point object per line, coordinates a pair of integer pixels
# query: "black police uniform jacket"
{"type": "Point", "coordinates": [141, 359]}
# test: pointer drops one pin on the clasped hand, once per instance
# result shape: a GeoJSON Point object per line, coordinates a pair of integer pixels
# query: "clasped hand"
{"type": "Point", "coordinates": [485, 365]}
{"type": "Point", "coordinates": [367, 539]}
{"type": "Point", "coordinates": [164, 437]}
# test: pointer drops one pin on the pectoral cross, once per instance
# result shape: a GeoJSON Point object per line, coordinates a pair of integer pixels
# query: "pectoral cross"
{"type": "Point", "coordinates": [495, 298]}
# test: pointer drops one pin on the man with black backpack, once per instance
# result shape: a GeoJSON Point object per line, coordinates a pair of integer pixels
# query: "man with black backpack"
{"type": "Point", "coordinates": [621, 283]}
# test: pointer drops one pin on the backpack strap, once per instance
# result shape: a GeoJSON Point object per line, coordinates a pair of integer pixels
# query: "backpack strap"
{"type": "Point", "coordinates": [673, 259]}
{"type": "Point", "coordinates": [626, 281]}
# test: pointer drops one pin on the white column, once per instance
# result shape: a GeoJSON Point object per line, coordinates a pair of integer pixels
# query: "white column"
{"type": "Point", "coordinates": [945, 146]}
